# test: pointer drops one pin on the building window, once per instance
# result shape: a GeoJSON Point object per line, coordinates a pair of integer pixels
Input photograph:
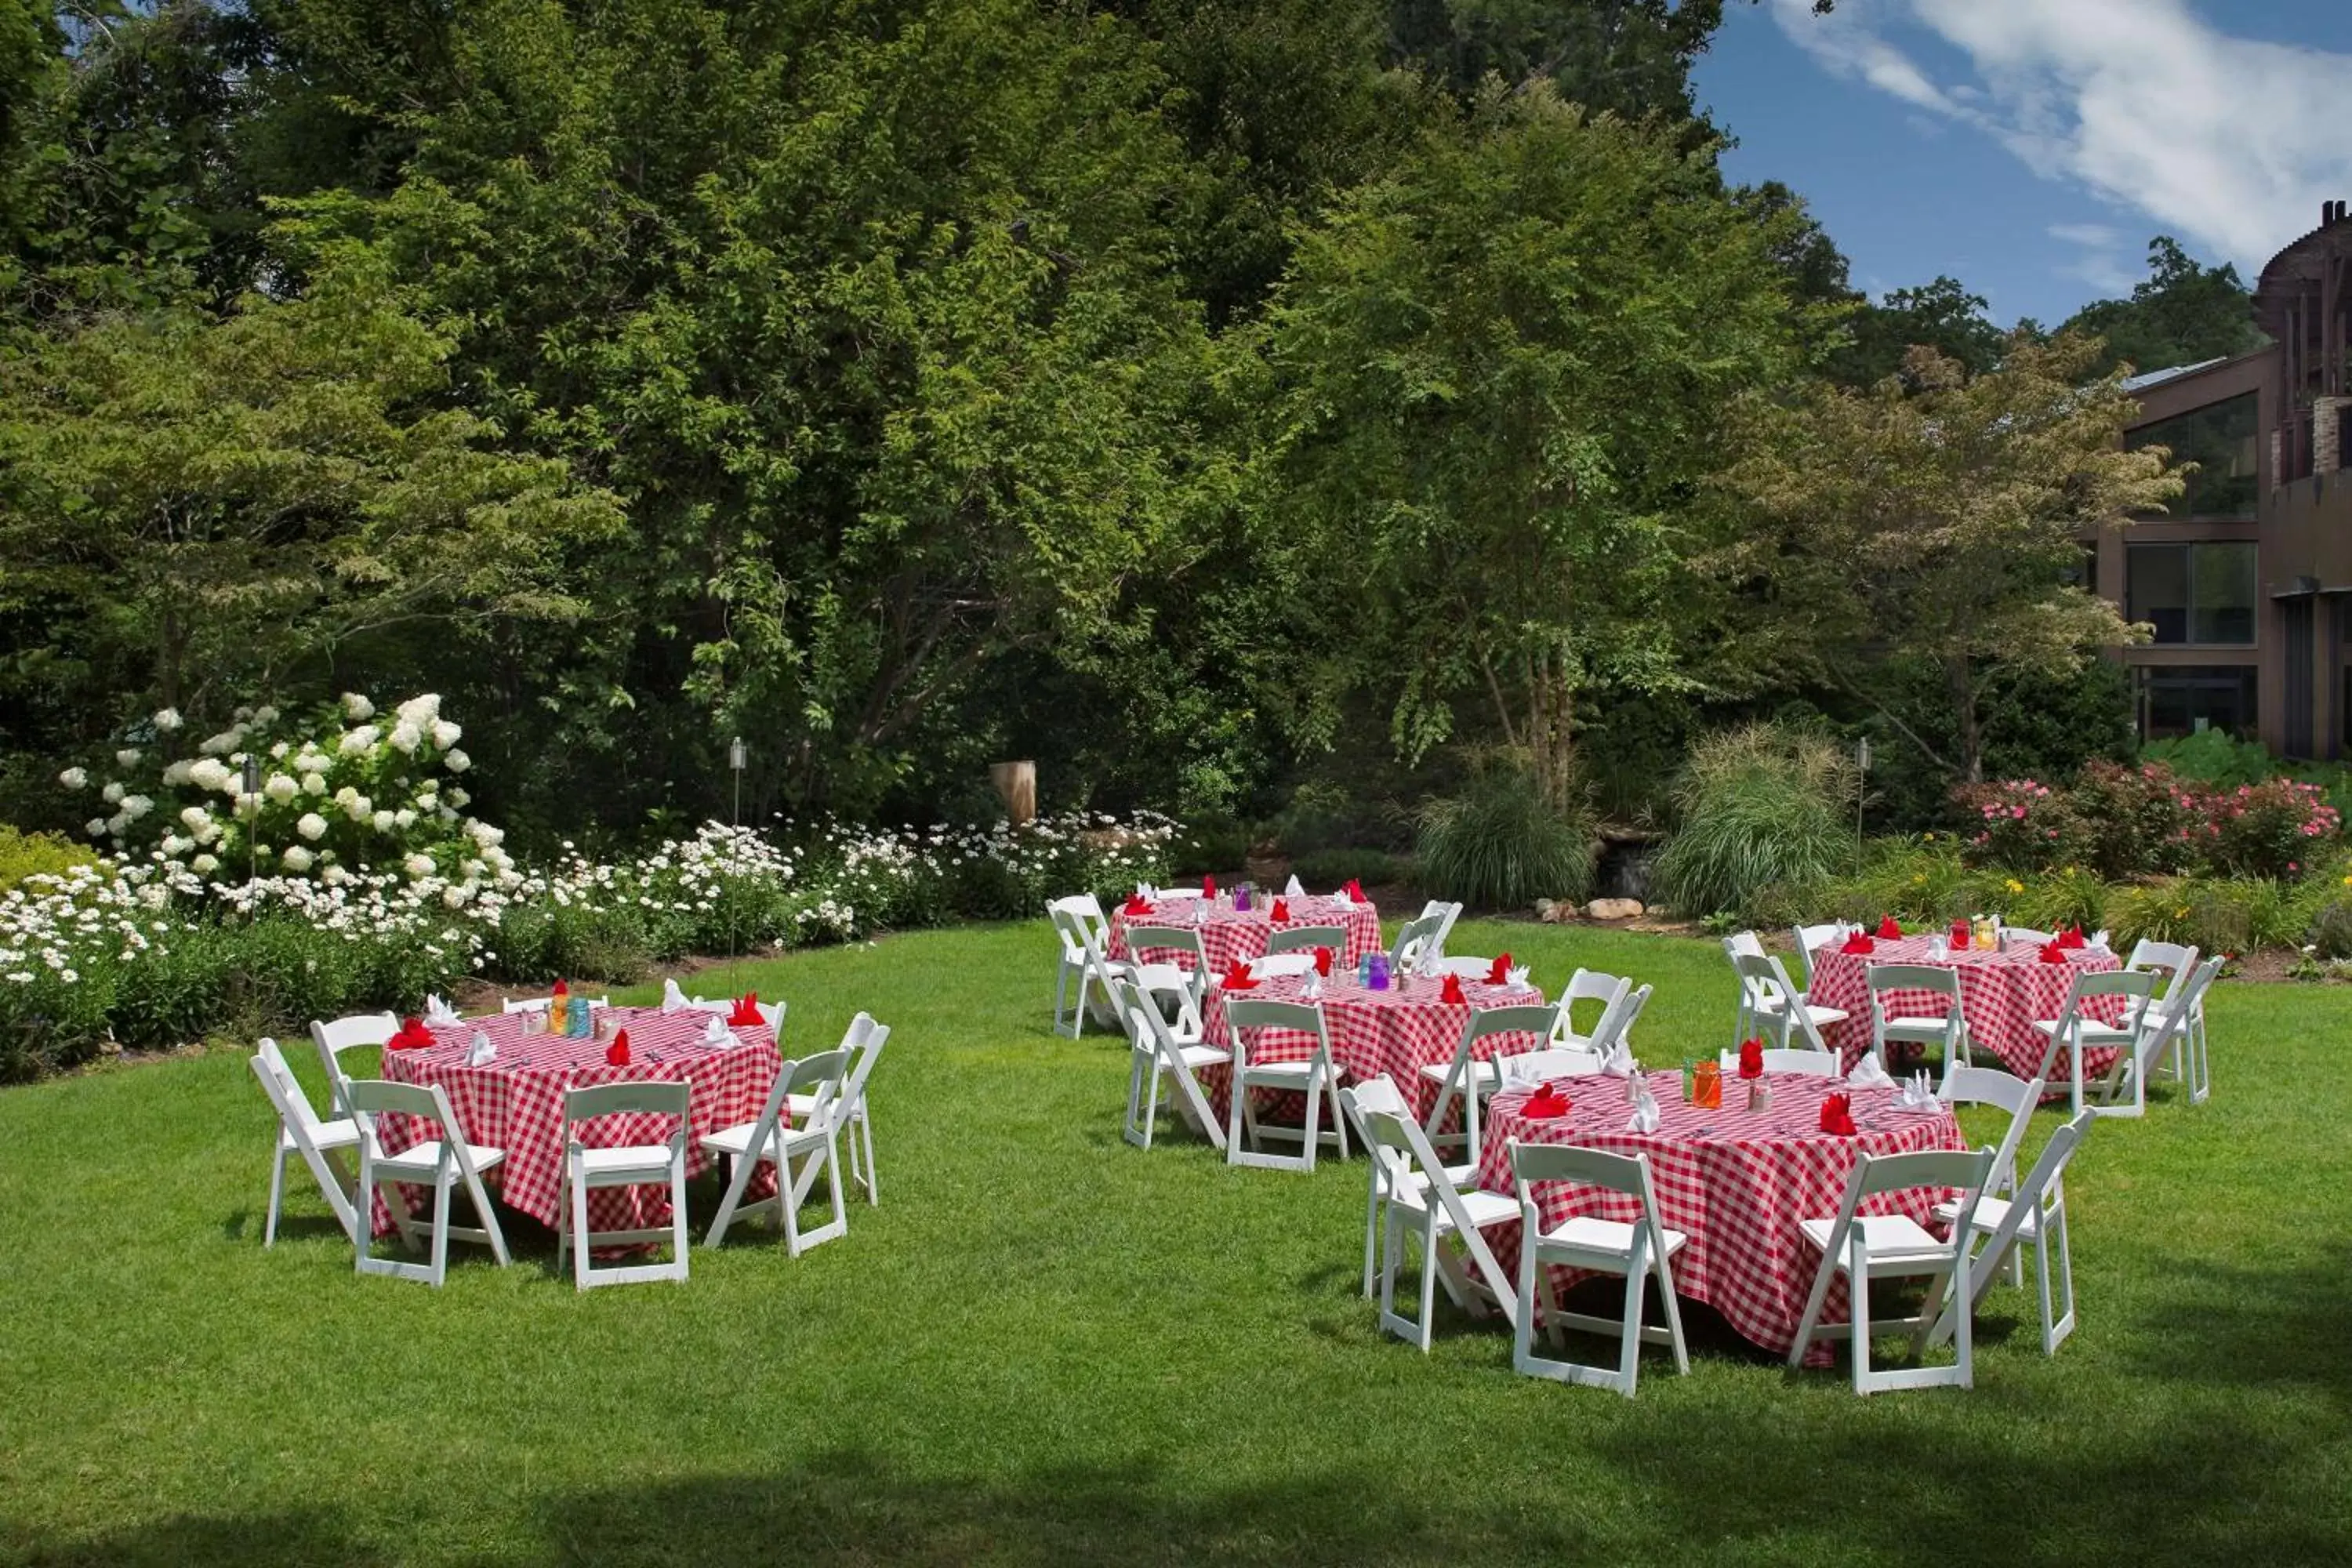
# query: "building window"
{"type": "Point", "coordinates": [2183, 698]}
{"type": "Point", "coordinates": [2220, 439]}
{"type": "Point", "coordinates": [2192, 592]}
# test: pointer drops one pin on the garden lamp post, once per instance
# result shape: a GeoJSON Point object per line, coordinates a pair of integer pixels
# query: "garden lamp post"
{"type": "Point", "coordinates": [736, 757]}
{"type": "Point", "coordinates": [252, 804]}
{"type": "Point", "coordinates": [1861, 784]}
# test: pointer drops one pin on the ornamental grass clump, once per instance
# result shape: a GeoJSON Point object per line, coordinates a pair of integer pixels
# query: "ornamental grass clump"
{"type": "Point", "coordinates": [1767, 818]}
{"type": "Point", "coordinates": [1498, 845]}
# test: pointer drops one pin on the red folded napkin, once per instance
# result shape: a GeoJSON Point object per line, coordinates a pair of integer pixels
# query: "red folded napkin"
{"type": "Point", "coordinates": [1137, 904]}
{"type": "Point", "coordinates": [2071, 939]}
{"type": "Point", "coordinates": [746, 1013]}
{"type": "Point", "coordinates": [560, 991]}
{"type": "Point", "coordinates": [1858, 944]}
{"type": "Point", "coordinates": [1452, 991]}
{"type": "Point", "coordinates": [617, 1053]}
{"type": "Point", "coordinates": [1323, 960]}
{"type": "Point", "coordinates": [2053, 953]}
{"type": "Point", "coordinates": [1281, 912]}
{"type": "Point", "coordinates": [1546, 1103]}
{"type": "Point", "coordinates": [1355, 891]}
{"type": "Point", "coordinates": [1500, 969]}
{"type": "Point", "coordinates": [1887, 930]}
{"type": "Point", "coordinates": [411, 1036]}
{"type": "Point", "coordinates": [1208, 886]}
{"type": "Point", "coordinates": [1837, 1115]}
{"type": "Point", "coordinates": [1239, 978]}
{"type": "Point", "coordinates": [1752, 1058]}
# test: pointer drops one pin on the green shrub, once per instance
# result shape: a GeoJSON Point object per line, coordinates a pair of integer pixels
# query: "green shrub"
{"type": "Point", "coordinates": [1326, 868]}
{"type": "Point", "coordinates": [2211, 914]}
{"type": "Point", "coordinates": [2132, 821]}
{"type": "Point", "coordinates": [2072, 897]}
{"type": "Point", "coordinates": [23, 855]}
{"type": "Point", "coordinates": [2330, 935]}
{"type": "Point", "coordinates": [1499, 846]}
{"type": "Point", "coordinates": [1761, 808]}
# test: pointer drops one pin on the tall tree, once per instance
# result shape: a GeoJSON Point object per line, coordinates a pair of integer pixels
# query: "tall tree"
{"type": "Point", "coordinates": [2183, 313]}
{"type": "Point", "coordinates": [1942, 316]}
{"type": "Point", "coordinates": [1502, 371]}
{"type": "Point", "coordinates": [1940, 518]}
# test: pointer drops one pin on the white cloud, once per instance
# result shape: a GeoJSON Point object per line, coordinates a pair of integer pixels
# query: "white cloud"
{"type": "Point", "coordinates": [2097, 236]}
{"type": "Point", "coordinates": [2230, 143]}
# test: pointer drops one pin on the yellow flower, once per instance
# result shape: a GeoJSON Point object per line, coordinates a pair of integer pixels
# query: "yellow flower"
{"type": "Point", "coordinates": [2015, 886]}
{"type": "Point", "coordinates": [1923, 877]}
{"type": "Point", "coordinates": [2347, 881]}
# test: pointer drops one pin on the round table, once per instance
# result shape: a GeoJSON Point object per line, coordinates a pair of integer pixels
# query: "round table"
{"type": "Point", "coordinates": [515, 1102]}
{"type": "Point", "coordinates": [1398, 1031]}
{"type": "Point", "coordinates": [2003, 994]}
{"type": "Point", "coordinates": [1228, 934]}
{"type": "Point", "coordinates": [1737, 1184]}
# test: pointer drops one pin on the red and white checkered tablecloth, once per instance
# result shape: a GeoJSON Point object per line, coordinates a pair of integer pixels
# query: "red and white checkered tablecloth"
{"type": "Point", "coordinates": [1737, 1184]}
{"type": "Point", "coordinates": [516, 1103]}
{"type": "Point", "coordinates": [2001, 996]}
{"type": "Point", "coordinates": [1228, 933]}
{"type": "Point", "coordinates": [1398, 1031]}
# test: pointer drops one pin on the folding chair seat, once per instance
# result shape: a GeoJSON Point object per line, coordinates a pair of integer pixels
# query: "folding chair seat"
{"type": "Point", "coordinates": [342, 1034]}
{"type": "Point", "coordinates": [2162, 1030]}
{"type": "Point", "coordinates": [1424, 1199]}
{"type": "Point", "coordinates": [2036, 1212]}
{"type": "Point", "coordinates": [812, 1140]}
{"type": "Point", "coordinates": [1156, 1057]}
{"type": "Point", "coordinates": [300, 1132]}
{"type": "Point", "coordinates": [442, 1163]}
{"type": "Point", "coordinates": [1306, 939]}
{"type": "Point", "coordinates": [1799, 1060]}
{"type": "Point", "coordinates": [623, 1165]}
{"type": "Point", "coordinates": [1635, 1249]}
{"type": "Point", "coordinates": [1589, 986]}
{"type": "Point", "coordinates": [2075, 1031]}
{"type": "Point", "coordinates": [864, 1040]}
{"type": "Point", "coordinates": [1468, 1082]}
{"type": "Point", "coordinates": [1315, 1078]}
{"type": "Point", "coordinates": [1947, 1030]}
{"type": "Point", "coordinates": [1863, 1247]}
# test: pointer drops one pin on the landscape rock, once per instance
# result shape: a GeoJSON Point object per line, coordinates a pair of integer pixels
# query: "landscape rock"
{"type": "Point", "coordinates": [1613, 910]}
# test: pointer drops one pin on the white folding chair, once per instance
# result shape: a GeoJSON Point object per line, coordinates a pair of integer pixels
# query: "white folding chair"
{"type": "Point", "coordinates": [1085, 931]}
{"type": "Point", "coordinates": [2075, 1031]}
{"type": "Point", "coordinates": [347, 1034]}
{"type": "Point", "coordinates": [623, 1165]}
{"type": "Point", "coordinates": [2162, 1029]}
{"type": "Point", "coordinates": [1470, 1081]}
{"type": "Point", "coordinates": [1445, 914]}
{"type": "Point", "coordinates": [1315, 1078]}
{"type": "Point", "coordinates": [2176, 963]}
{"type": "Point", "coordinates": [1588, 985]}
{"type": "Point", "coordinates": [864, 1040]}
{"type": "Point", "coordinates": [300, 1132]}
{"type": "Point", "coordinates": [813, 1140]}
{"type": "Point", "coordinates": [441, 1162]}
{"type": "Point", "coordinates": [1948, 1031]}
{"type": "Point", "coordinates": [1422, 1195]}
{"type": "Point", "coordinates": [1543, 1066]}
{"type": "Point", "coordinates": [1467, 967]}
{"type": "Point", "coordinates": [1380, 1094]}
{"type": "Point", "coordinates": [2025, 936]}
{"type": "Point", "coordinates": [2036, 1212]}
{"type": "Point", "coordinates": [1995, 1087]}
{"type": "Point", "coordinates": [1793, 1058]}
{"type": "Point", "coordinates": [1811, 940]}
{"type": "Point", "coordinates": [1302, 939]}
{"type": "Point", "coordinates": [1156, 1057]}
{"type": "Point", "coordinates": [1282, 965]}
{"type": "Point", "coordinates": [1863, 1247]}
{"type": "Point", "coordinates": [1634, 1249]}
{"type": "Point", "coordinates": [1143, 938]}
{"type": "Point", "coordinates": [1616, 1025]}
{"type": "Point", "coordinates": [1416, 944]}
{"type": "Point", "coordinates": [1772, 1006]}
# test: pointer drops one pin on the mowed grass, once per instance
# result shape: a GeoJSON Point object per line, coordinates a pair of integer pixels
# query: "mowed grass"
{"type": "Point", "coordinates": [1046, 1346]}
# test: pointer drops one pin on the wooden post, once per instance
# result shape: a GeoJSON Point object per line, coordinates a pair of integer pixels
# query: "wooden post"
{"type": "Point", "coordinates": [1016, 784]}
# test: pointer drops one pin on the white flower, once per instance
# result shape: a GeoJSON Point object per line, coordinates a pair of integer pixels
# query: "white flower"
{"type": "Point", "coordinates": [383, 821]}
{"type": "Point", "coordinates": [404, 817]}
{"type": "Point", "coordinates": [95, 827]}
{"type": "Point", "coordinates": [429, 802]}
{"type": "Point", "coordinates": [205, 865]}
{"type": "Point", "coordinates": [354, 742]}
{"type": "Point", "coordinates": [458, 761]}
{"type": "Point", "coordinates": [197, 818]}
{"type": "Point", "coordinates": [177, 773]}
{"type": "Point", "coordinates": [211, 772]}
{"type": "Point", "coordinates": [167, 718]}
{"type": "Point", "coordinates": [216, 745]}
{"type": "Point", "coordinates": [357, 706]}
{"type": "Point", "coordinates": [128, 757]}
{"type": "Point", "coordinates": [407, 738]}
{"type": "Point", "coordinates": [445, 734]}
{"type": "Point", "coordinates": [458, 797]}
{"type": "Point", "coordinates": [421, 710]}
{"type": "Point", "coordinates": [74, 778]}
{"type": "Point", "coordinates": [314, 783]}
{"type": "Point", "coordinates": [280, 788]}
{"type": "Point", "coordinates": [264, 715]}
{"type": "Point", "coordinates": [67, 975]}
{"type": "Point", "coordinates": [419, 865]}
{"type": "Point", "coordinates": [173, 846]}
{"type": "Point", "coordinates": [296, 859]}
{"type": "Point", "coordinates": [112, 794]}
{"type": "Point", "coordinates": [359, 808]}
{"type": "Point", "coordinates": [312, 827]}
{"type": "Point", "coordinates": [336, 876]}
{"type": "Point", "coordinates": [280, 749]}
{"type": "Point", "coordinates": [135, 806]}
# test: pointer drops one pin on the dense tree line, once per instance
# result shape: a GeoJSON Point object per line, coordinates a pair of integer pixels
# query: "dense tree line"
{"type": "Point", "coordinates": [1185, 394]}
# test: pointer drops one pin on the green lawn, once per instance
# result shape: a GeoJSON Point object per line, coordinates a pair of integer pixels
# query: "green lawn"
{"type": "Point", "coordinates": [1047, 1346]}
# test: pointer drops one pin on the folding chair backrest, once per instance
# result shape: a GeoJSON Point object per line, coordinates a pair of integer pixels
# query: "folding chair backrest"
{"type": "Point", "coordinates": [1811, 940]}
{"type": "Point", "coordinates": [1617, 1023]}
{"type": "Point", "coordinates": [1535, 1019]}
{"type": "Point", "coordinates": [2172, 1017]}
{"type": "Point", "coordinates": [2139, 985]}
{"type": "Point", "coordinates": [1417, 941]}
{"type": "Point", "coordinates": [285, 1091]}
{"type": "Point", "coordinates": [1445, 914]}
{"type": "Point", "coordinates": [1542, 1066]}
{"type": "Point", "coordinates": [1626, 1174]}
{"type": "Point", "coordinates": [1143, 938]}
{"type": "Point", "coordinates": [824, 1073]}
{"type": "Point", "coordinates": [343, 1035]}
{"type": "Point", "coordinates": [1275, 965]}
{"type": "Point", "coordinates": [1743, 943]}
{"type": "Point", "coordinates": [1593, 986]}
{"type": "Point", "coordinates": [1302, 939]}
{"type": "Point", "coordinates": [370, 1098]}
{"type": "Point", "coordinates": [2028, 1199]}
{"type": "Point", "coordinates": [1789, 1059]}
{"type": "Point", "coordinates": [1079, 918]}
{"type": "Point", "coordinates": [1880, 978]}
{"type": "Point", "coordinates": [2025, 936]}
{"type": "Point", "coordinates": [865, 1047]}
{"type": "Point", "coordinates": [1962, 1168]}
{"type": "Point", "coordinates": [1380, 1094]}
{"type": "Point", "coordinates": [642, 1097]}
{"type": "Point", "coordinates": [2174, 959]}
{"type": "Point", "coordinates": [1992, 1086]}
{"type": "Point", "coordinates": [1306, 1016]}
{"type": "Point", "coordinates": [1766, 979]}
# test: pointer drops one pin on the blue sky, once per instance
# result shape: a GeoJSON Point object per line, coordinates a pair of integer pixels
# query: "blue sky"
{"type": "Point", "coordinates": [2030, 148]}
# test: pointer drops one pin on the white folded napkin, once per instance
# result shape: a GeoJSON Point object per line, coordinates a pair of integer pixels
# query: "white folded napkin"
{"type": "Point", "coordinates": [1517, 979]}
{"type": "Point", "coordinates": [1868, 1074]}
{"type": "Point", "coordinates": [2097, 939]}
{"type": "Point", "coordinates": [673, 999]}
{"type": "Point", "coordinates": [715, 1033]}
{"type": "Point", "coordinates": [483, 1053]}
{"type": "Point", "coordinates": [1918, 1094]}
{"type": "Point", "coordinates": [1294, 889]}
{"type": "Point", "coordinates": [1646, 1114]}
{"type": "Point", "coordinates": [439, 1014]}
{"type": "Point", "coordinates": [1619, 1062]}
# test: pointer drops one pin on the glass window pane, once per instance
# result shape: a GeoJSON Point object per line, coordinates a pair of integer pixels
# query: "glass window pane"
{"type": "Point", "coordinates": [2158, 589]}
{"type": "Point", "coordinates": [2220, 439]}
{"type": "Point", "coordinates": [2224, 579]}
{"type": "Point", "coordinates": [2180, 700]}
